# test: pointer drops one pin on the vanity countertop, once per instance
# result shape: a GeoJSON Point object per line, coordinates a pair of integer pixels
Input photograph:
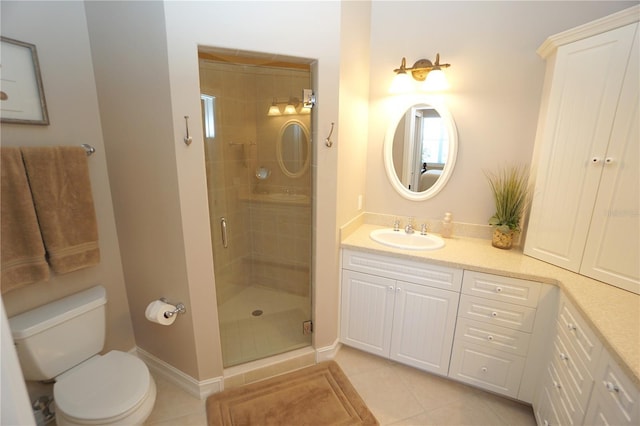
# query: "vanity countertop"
{"type": "Point", "coordinates": [613, 313]}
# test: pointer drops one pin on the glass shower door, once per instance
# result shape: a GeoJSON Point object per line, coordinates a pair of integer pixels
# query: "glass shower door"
{"type": "Point", "coordinates": [259, 187]}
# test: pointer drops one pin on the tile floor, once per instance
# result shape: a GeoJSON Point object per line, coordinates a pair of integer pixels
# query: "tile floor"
{"type": "Point", "coordinates": [396, 394]}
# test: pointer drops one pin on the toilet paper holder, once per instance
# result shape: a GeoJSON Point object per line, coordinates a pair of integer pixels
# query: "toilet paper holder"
{"type": "Point", "coordinates": [179, 308]}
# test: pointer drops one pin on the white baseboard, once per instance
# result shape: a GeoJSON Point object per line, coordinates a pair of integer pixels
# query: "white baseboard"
{"type": "Point", "coordinates": [328, 353]}
{"type": "Point", "coordinates": [198, 389]}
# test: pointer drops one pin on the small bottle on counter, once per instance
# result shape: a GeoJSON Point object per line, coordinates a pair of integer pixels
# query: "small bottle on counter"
{"type": "Point", "coordinates": [447, 226]}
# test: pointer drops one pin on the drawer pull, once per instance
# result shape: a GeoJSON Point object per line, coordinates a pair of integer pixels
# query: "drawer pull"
{"type": "Point", "coordinates": [499, 289]}
{"type": "Point", "coordinates": [611, 387]}
{"type": "Point", "coordinates": [494, 314]}
{"type": "Point", "coordinates": [564, 357]}
{"type": "Point", "coordinates": [484, 369]}
{"type": "Point", "coordinates": [557, 385]}
{"type": "Point", "coordinates": [571, 327]}
{"type": "Point", "coordinates": [490, 338]}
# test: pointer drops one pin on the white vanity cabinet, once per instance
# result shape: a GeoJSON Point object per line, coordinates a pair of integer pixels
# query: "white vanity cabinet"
{"type": "Point", "coordinates": [567, 379]}
{"type": "Point", "coordinates": [400, 309]}
{"type": "Point", "coordinates": [585, 204]}
{"type": "Point", "coordinates": [495, 322]}
{"type": "Point", "coordinates": [581, 383]}
{"type": "Point", "coordinates": [615, 400]}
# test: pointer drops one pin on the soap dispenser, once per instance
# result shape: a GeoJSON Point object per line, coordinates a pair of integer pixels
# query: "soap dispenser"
{"type": "Point", "coordinates": [447, 226]}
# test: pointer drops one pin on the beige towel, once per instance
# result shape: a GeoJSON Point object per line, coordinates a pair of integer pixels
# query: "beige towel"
{"type": "Point", "coordinates": [61, 189]}
{"type": "Point", "coordinates": [21, 248]}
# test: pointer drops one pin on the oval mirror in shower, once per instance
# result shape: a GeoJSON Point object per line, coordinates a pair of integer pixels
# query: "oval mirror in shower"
{"type": "Point", "coordinates": [292, 148]}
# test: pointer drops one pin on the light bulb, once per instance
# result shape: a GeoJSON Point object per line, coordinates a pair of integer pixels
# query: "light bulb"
{"type": "Point", "coordinates": [436, 81]}
{"type": "Point", "coordinates": [401, 83]}
{"type": "Point", "coordinates": [274, 110]}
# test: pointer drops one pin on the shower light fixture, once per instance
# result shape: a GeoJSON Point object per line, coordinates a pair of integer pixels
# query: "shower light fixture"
{"type": "Point", "coordinates": [423, 70]}
{"type": "Point", "coordinates": [290, 107]}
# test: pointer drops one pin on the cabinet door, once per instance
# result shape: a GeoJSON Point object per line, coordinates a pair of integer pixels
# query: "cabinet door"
{"type": "Point", "coordinates": [586, 85]}
{"type": "Point", "coordinates": [423, 326]}
{"type": "Point", "coordinates": [612, 249]}
{"type": "Point", "coordinates": [366, 312]}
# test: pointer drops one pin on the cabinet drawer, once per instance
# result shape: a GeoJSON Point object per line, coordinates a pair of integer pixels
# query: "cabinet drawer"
{"type": "Point", "coordinates": [499, 313]}
{"type": "Point", "coordinates": [585, 342]}
{"type": "Point", "coordinates": [404, 270]}
{"type": "Point", "coordinates": [489, 369]}
{"type": "Point", "coordinates": [493, 336]}
{"type": "Point", "coordinates": [565, 405]}
{"type": "Point", "coordinates": [504, 289]}
{"type": "Point", "coordinates": [547, 414]}
{"type": "Point", "coordinates": [576, 375]}
{"type": "Point", "coordinates": [618, 395]}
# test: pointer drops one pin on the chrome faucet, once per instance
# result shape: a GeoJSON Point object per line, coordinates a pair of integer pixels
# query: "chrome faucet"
{"type": "Point", "coordinates": [396, 224]}
{"type": "Point", "coordinates": [409, 228]}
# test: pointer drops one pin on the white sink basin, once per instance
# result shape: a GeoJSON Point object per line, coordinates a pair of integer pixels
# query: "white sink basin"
{"type": "Point", "coordinates": [283, 196]}
{"type": "Point", "coordinates": [402, 240]}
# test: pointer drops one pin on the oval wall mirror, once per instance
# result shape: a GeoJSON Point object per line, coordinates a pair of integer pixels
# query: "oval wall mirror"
{"type": "Point", "coordinates": [420, 150]}
{"type": "Point", "coordinates": [292, 148]}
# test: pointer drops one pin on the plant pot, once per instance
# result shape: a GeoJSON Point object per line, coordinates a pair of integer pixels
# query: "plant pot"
{"type": "Point", "coordinates": [502, 240]}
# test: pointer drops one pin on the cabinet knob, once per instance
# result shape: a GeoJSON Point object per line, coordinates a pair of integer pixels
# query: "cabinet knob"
{"type": "Point", "coordinates": [611, 387]}
{"type": "Point", "coordinates": [490, 338]}
{"type": "Point", "coordinates": [398, 290]}
{"type": "Point", "coordinates": [595, 160]}
{"type": "Point", "coordinates": [571, 327]}
{"type": "Point", "coordinates": [498, 289]}
{"type": "Point", "coordinates": [484, 369]}
{"type": "Point", "coordinates": [556, 385]}
{"type": "Point", "coordinates": [608, 160]}
{"type": "Point", "coordinates": [494, 314]}
{"type": "Point", "coordinates": [390, 288]}
{"type": "Point", "coordinates": [564, 357]}
{"type": "Point", "coordinates": [546, 423]}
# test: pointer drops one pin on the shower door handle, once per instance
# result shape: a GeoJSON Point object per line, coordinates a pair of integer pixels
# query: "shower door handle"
{"type": "Point", "coordinates": [223, 229]}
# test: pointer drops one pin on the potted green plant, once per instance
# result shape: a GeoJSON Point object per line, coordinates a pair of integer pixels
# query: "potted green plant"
{"type": "Point", "coordinates": [511, 195]}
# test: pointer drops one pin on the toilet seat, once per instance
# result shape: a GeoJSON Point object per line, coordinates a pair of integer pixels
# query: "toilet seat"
{"type": "Point", "coordinates": [105, 390]}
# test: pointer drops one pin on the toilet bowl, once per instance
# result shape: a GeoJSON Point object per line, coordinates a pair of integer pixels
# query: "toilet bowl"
{"type": "Point", "coordinates": [113, 389]}
{"type": "Point", "coordinates": [61, 340]}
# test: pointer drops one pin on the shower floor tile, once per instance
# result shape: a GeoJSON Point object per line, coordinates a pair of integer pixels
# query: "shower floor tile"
{"type": "Point", "coordinates": [278, 329]}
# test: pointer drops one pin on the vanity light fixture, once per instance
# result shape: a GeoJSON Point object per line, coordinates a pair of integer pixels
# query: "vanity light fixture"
{"type": "Point", "coordinates": [423, 70]}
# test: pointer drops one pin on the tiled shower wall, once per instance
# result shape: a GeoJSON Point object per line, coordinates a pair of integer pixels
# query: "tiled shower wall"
{"type": "Point", "coordinates": [269, 241]}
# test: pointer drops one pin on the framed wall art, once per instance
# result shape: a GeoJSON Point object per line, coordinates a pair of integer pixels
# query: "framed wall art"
{"type": "Point", "coordinates": [21, 91]}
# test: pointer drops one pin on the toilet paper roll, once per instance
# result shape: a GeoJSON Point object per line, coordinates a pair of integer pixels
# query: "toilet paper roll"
{"type": "Point", "coordinates": [155, 312]}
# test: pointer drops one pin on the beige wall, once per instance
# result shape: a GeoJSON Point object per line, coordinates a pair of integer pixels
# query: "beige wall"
{"type": "Point", "coordinates": [59, 32]}
{"type": "Point", "coordinates": [243, 26]}
{"type": "Point", "coordinates": [135, 106]}
{"type": "Point", "coordinates": [496, 82]}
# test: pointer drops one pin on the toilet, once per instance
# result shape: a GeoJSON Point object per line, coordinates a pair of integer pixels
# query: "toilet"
{"type": "Point", "coordinates": [62, 341]}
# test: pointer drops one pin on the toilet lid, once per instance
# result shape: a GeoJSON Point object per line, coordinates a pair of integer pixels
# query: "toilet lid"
{"type": "Point", "coordinates": [102, 387]}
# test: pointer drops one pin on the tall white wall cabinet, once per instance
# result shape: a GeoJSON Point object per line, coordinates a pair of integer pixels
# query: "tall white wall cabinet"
{"type": "Point", "coordinates": [585, 214]}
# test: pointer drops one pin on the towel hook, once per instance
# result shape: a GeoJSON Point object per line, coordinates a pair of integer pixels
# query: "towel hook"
{"type": "Point", "coordinates": [328, 141]}
{"type": "Point", "coordinates": [188, 139]}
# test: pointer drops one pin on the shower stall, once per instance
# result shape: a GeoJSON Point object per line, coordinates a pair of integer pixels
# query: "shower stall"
{"type": "Point", "coordinates": [257, 151]}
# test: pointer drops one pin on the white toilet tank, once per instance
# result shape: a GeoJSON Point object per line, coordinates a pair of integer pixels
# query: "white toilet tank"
{"type": "Point", "coordinates": [57, 336]}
